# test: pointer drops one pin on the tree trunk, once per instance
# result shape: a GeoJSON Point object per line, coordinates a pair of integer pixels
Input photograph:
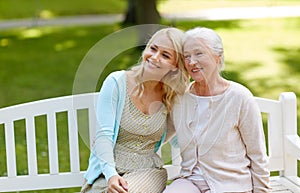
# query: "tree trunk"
{"type": "Point", "coordinates": [142, 12]}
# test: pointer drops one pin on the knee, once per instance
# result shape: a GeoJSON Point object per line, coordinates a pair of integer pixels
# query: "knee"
{"type": "Point", "coordinates": [170, 189]}
{"type": "Point", "coordinates": [181, 185]}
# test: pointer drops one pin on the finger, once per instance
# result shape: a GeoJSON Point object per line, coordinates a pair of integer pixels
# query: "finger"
{"type": "Point", "coordinates": [114, 189]}
{"type": "Point", "coordinates": [124, 184]}
{"type": "Point", "coordinates": [120, 189]}
{"type": "Point", "coordinates": [111, 190]}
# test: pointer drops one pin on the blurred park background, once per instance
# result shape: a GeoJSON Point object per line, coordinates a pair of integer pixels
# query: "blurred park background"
{"type": "Point", "coordinates": [39, 62]}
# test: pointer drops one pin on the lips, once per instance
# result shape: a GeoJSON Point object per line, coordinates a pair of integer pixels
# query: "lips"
{"type": "Point", "coordinates": [153, 64]}
{"type": "Point", "coordinates": [194, 70]}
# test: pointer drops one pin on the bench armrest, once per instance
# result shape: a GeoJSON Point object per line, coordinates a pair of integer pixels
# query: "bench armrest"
{"type": "Point", "coordinates": [293, 145]}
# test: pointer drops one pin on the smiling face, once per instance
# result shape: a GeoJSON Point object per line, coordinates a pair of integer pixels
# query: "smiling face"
{"type": "Point", "coordinates": [159, 57]}
{"type": "Point", "coordinates": [200, 62]}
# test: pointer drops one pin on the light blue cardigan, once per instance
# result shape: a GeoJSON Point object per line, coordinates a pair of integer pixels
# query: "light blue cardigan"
{"type": "Point", "coordinates": [110, 106]}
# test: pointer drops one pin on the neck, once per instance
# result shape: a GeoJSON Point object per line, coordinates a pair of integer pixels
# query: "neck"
{"type": "Point", "coordinates": [152, 86]}
{"type": "Point", "coordinates": [210, 88]}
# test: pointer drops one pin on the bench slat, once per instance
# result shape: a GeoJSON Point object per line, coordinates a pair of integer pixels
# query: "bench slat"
{"type": "Point", "coordinates": [41, 182]}
{"type": "Point", "coordinates": [10, 149]}
{"type": "Point", "coordinates": [92, 125]}
{"type": "Point", "coordinates": [286, 184]}
{"type": "Point", "coordinates": [289, 116]}
{"type": "Point", "coordinates": [52, 143]}
{"type": "Point", "coordinates": [31, 146]}
{"type": "Point", "coordinates": [73, 141]}
{"type": "Point", "coordinates": [275, 144]}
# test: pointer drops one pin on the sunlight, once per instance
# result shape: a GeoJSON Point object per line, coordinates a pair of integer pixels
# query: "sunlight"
{"type": "Point", "coordinates": [31, 33]}
{"type": "Point", "coordinates": [4, 42]}
{"type": "Point", "coordinates": [46, 14]}
{"type": "Point", "coordinates": [179, 6]}
{"type": "Point", "coordinates": [65, 45]}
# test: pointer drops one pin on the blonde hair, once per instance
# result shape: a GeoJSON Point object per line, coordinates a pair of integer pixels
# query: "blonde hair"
{"type": "Point", "coordinates": [174, 82]}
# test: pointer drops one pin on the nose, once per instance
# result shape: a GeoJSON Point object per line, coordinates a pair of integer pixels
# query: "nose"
{"type": "Point", "coordinates": [155, 56]}
{"type": "Point", "coordinates": [191, 61]}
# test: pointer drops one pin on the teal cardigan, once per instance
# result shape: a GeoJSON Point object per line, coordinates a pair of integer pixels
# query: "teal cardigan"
{"type": "Point", "coordinates": [109, 110]}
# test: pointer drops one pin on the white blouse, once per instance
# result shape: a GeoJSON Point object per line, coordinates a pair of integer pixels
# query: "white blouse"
{"type": "Point", "coordinates": [201, 119]}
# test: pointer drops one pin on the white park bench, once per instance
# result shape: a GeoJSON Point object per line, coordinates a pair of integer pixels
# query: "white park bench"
{"type": "Point", "coordinates": [282, 141]}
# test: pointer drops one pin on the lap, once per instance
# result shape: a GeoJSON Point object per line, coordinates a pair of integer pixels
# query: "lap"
{"type": "Point", "coordinates": [148, 180]}
{"type": "Point", "coordinates": [182, 185]}
{"type": "Point", "coordinates": [153, 180]}
{"type": "Point", "coordinates": [192, 186]}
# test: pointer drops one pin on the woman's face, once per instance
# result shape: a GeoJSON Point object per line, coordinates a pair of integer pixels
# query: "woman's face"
{"type": "Point", "coordinates": [159, 57]}
{"type": "Point", "coordinates": [199, 60]}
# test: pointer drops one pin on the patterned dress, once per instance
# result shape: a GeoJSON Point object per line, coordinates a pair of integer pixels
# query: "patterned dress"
{"type": "Point", "coordinates": [134, 154]}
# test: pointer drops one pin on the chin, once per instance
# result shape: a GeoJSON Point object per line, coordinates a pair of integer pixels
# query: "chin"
{"type": "Point", "coordinates": [198, 78]}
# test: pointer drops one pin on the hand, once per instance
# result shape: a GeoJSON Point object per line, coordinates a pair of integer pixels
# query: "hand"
{"type": "Point", "coordinates": [117, 184]}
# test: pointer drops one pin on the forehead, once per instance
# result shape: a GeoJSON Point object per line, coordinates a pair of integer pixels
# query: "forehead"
{"type": "Point", "coordinates": [192, 43]}
{"type": "Point", "coordinates": [163, 41]}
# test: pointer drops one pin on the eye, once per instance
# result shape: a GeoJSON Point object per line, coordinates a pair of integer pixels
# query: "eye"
{"type": "Point", "coordinates": [186, 57]}
{"type": "Point", "coordinates": [153, 48]}
{"type": "Point", "coordinates": [166, 56]}
{"type": "Point", "coordinates": [199, 53]}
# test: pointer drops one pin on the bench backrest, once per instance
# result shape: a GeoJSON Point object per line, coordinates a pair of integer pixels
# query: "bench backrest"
{"type": "Point", "coordinates": [281, 120]}
{"type": "Point", "coordinates": [54, 178]}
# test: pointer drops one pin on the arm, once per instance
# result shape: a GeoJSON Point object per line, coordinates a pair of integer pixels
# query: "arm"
{"type": "Point", "coordinates": [171, 133]}
{"type": "Point", "coordinates": [171, 130]}
{"type": "Point", "coordinates": [106, 117]}
{"type": "Point", "coordinates": [252, 133]}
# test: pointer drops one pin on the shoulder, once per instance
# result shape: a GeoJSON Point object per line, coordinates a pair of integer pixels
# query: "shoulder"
{"type": "Point", "coordinates": [117, 75]}
{"type": "Point", "coordinates": [239, 90]}
{"type": "Point", "coordinates": [115, 80]}
{"type": "Point", "coordinates": [186, 96]}
{"type": "Point", "coordinates": [184, 101]}
{"type": "Point", "coordinates": [240, 95]}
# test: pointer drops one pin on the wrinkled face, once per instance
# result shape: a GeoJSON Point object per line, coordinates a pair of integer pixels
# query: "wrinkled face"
{"type": "Point", "coordinates": [159, 57]}
{"type": "Point", "coordinates": [199, 60]}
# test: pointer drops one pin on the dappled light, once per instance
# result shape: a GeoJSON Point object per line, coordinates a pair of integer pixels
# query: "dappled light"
{"type": "Point", "coordinates": [31, 33]}
{"type": "Point", "coordinates": [36, 32]}
{"type": "Point", "coordinates": [291, 58]}
{"type": "Point", "coordinates": [4, 42]}
{"type": "Point", "coordinates": [232, 24]}
{"type": "Point", "coordinates": [46, 14]}
{"type": "Point", "coordinates": [65, 45]}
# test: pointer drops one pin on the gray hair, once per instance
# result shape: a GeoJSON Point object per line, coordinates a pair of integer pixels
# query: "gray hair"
{"type": "Point", "coordinates": [211, 39]}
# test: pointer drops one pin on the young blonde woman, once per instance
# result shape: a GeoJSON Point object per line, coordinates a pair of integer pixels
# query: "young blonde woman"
{"type": "Point", "coordinates": [218, 126]}
{"type": "Point", "coordinates": [132, 113]}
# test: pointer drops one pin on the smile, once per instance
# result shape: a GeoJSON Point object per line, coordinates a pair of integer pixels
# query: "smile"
{"type": "Point", "coordinates": [196, 69]}
{"type": "Point", "coordinates": [153, 64]}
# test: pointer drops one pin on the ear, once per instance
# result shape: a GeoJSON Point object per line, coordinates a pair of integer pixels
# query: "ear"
{"type": "Point", "coordinates": [218, 59]}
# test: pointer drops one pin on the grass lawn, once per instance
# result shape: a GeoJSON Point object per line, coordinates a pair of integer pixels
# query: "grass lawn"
{"type": "Point", "coordinates": [38, 63]}
{"type": "Point", "coordinates": [10, 9]}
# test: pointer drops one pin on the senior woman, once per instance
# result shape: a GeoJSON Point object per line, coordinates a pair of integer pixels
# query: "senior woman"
{"type": "Point", "coordinates": [218, 125]}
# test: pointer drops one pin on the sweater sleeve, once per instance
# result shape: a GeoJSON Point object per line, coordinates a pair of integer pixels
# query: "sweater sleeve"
{"type": "Point", "coordinates": [171, 133]}
{"type": "Point", "coordinates": [252, 133]}
{"type": "Point", "coordinates": [106, 117]}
